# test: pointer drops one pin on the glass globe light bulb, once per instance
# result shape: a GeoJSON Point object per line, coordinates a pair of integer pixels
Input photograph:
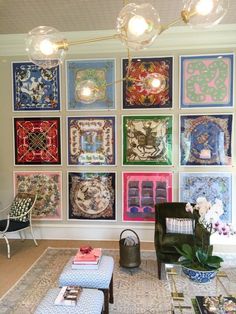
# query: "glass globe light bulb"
{"type": "Point", "coordinates": [204, 13]}
{"type": "Point", "coordinates": [46, 47]}
{"type": "Point", "coordinates": [138, 25]}
{"type": "Point", "coordinates": [86, 91]}
{"type": "Point", "coordinates": [155, 83]}
{"type": "Point", "coordinates": [204, 7]}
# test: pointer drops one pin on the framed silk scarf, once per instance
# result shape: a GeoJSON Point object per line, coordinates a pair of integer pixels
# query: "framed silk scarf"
{"type": "Point", "coordinates": [48, 187]}
{"type": "Point", "coordinates": [91, 140]}
{"type": "Point", "coordinates": [206, 140]}
{"type": "Point", "coordinates": [147, 140]}
{"type": "Point", "coordinates": [92, 195]}
{"type": "Point", "coordinates": [35, 88]}
{"type": "Point", "coordinates": [207, 81]}
{"type": "Point", "coordinates": [209, 185]}
{"type": "Point", "coordinates": [37, 141]}
{"type": "Point", "coordinates": [99, 71]}
{"type": "Point", "coordinates": [137, 93]}
{"type": "Point", "coordinates": [142, 191]}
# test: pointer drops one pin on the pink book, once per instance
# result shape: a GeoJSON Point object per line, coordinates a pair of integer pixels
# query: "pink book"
{"type": "Point", "coordinates": [91, 257]}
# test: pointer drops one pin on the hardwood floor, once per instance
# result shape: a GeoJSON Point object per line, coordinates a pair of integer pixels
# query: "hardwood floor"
{"type": "Point", "coordinates": [25, 253]}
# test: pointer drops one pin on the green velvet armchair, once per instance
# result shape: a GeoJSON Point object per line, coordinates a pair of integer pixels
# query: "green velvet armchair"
{"type": "Point", "coordinates": [165, 242]}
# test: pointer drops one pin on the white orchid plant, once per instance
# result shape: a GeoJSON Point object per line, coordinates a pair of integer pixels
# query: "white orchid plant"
{"type": "Point", "coordinates": [210, 216]}
{"type": "Point", "coordinates": [200, 257]}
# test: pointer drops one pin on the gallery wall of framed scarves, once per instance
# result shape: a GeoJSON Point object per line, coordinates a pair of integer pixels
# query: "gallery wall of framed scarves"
{"type": "Point", "coordinates": [110, 161]}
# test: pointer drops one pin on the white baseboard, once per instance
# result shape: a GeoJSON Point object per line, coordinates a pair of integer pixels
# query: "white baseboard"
{"type": "Point", "coordinates": [100, 232]}
{"type": "Point", "coordinates": [104, 232]}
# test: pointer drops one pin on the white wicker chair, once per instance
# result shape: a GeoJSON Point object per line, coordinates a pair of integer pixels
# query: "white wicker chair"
{"type": "Point", "coordinates": [17, 217]}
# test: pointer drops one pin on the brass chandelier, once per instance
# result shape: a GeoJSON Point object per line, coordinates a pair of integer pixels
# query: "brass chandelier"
{"type": "Point", "coordinates": [137, 27]}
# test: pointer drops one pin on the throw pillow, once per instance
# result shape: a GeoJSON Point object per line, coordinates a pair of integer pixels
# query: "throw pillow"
{"type": "Point", "coordinates": [180, 225]}
{"type": "Point", "coordinates": [19, 207]}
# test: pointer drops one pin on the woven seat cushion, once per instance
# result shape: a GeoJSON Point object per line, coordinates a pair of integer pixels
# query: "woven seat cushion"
{"type": "Point", "coordinates": [14, 225]}
{"type": "Point", "coordinates": [19, 207]}
{"type": "Point", "coordinates": [90, 302]}
{"type": "Point", "coordinates": [92, 278]}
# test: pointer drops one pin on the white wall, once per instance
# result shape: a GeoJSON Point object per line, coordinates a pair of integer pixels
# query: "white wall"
{"type": "Point", "coordinates": [175, 42]}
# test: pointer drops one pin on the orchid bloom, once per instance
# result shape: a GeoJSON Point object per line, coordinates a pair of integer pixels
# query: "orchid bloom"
{"type": "Point", "coordinates": [189, 208]}
{"type": "Point", "coordinates": [224, 229]}
{"type": "Point", "coordinates": [210, 216]}
{"type": "Point", "coordinates": [202, 206]}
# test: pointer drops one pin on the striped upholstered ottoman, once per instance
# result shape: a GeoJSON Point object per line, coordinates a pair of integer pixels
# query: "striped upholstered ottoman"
{"type": "Point", "coordinates": [90, 302]}
{"type": "Point", "coordinates": [101, 278]}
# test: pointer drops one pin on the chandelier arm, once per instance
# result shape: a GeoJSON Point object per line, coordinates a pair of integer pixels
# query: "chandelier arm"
{"type": "Point", "coordinates": [114, 82]}
{"type": "Point", "coordinates": [65, 44]}
{"type": "Point", "coordinates": [129, 62]}
{"type": "Point", "coordinates": [167, 26]}
{"type": "Point", "coordinates": [129, 78]}
{"type": "Point", "coordinates": [185, 17]}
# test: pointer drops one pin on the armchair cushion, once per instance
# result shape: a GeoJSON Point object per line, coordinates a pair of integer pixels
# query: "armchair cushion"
{"type": "Point", "coordinates": [19, 207]}
{"type": "Point", "coordinates": [179, 225]}
{"type": "Point", "coordinates": [14, 225]}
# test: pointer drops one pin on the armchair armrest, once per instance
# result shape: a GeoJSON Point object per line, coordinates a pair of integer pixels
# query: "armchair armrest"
{"type": "Point", "coordinates": [159, 232]}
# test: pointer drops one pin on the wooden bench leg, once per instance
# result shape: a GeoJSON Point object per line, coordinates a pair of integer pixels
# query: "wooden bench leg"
{"type": "Point", "coordinates": [108, 296]}
{"type": "Point", "coordinates": [106, 301]}
{"type": "Point", "coordinates": [159, 269]}
{"type": "Point", "coordinates": [111, 296]}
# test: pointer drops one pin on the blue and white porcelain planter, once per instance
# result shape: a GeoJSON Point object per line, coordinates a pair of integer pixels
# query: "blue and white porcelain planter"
{"type": "Point", "coordinates": [199, 276]}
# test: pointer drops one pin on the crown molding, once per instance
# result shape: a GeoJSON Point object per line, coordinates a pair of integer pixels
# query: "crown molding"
{"type": "Point", "coordinates": [175, 38]}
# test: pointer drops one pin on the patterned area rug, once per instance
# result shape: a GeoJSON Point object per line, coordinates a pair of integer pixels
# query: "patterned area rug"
{"type": "Point", "coordinates": [135, 291]}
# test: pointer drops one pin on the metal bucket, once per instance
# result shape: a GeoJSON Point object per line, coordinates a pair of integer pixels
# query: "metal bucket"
{"type": "Point", "coordinates": [129, 255]}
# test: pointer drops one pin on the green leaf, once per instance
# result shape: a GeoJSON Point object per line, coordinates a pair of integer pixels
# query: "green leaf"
{"type": "Point", "coordinates": [201, 256]}
{"type": "Point", "coordinates": [210, 250]}
{"type": "Point", "coordinates": [186, 251]}
{"type": "Point", "coordinates": [214, 260]}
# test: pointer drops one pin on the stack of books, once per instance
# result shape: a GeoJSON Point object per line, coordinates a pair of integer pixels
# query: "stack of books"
{"type": "Point", "coordinates": [220, 304]}
{"type": "Point", "coordinates": [68, 296]}
{"type": "Point", "coordinates": [89, 260]}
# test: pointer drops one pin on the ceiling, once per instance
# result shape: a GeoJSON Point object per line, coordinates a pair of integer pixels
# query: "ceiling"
{"type": "Point", "coordinates": [20, 16]}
